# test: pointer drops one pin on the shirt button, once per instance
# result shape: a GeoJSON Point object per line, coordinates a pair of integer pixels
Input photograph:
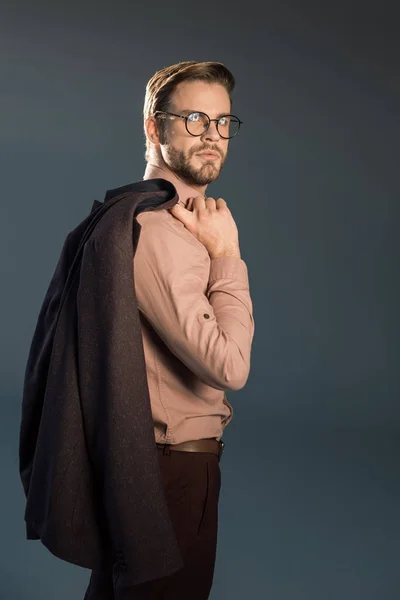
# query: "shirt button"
{"type": "Point", "coordinates": [206, 316]}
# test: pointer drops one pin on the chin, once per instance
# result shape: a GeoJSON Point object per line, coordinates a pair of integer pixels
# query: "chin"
{"type": "Point", "coordinates": [211, 171]}
{"type": "Point", "coordinates": [208, 180]}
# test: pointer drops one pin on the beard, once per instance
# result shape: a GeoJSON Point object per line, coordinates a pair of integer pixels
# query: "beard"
{"type": "Point", "coordinates": [179, 162]}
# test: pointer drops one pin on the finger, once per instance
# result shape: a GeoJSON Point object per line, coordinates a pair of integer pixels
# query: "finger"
{"type": "Point", "coordinates": [178, 209]}
{"type": "Point", "coordinates": [198, 203]}
{"type": "Point", "coordinates": [210, 203]}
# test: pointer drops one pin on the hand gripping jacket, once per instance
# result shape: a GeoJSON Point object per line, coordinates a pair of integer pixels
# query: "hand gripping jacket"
{"type": "Point", "coordinates": [87, 454]}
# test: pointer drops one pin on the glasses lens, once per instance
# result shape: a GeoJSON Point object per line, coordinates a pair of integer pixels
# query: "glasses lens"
{"type": "Point", "coordinates": [228, 126]}
{"type": "Point", "coordinates": [197, 123]}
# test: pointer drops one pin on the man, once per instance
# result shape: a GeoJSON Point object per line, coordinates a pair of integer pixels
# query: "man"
{"type": "Point", "coordinates": [100, 493]}
{"type": "Point", "coordinates": [196, 314]}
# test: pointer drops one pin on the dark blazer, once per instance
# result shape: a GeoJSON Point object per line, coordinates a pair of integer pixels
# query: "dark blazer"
{"type": "Point", "coordinates": [87, 454]}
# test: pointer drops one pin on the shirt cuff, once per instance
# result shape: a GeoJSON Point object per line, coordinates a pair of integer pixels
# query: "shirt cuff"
{"type": "Point", "coordinates": [228, 267]}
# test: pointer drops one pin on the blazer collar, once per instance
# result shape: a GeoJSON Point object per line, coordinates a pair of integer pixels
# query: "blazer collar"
{"type": "Point", "coordinates": [143, 186]}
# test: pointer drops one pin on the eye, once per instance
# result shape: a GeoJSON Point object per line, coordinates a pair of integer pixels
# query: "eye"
{"type": "Point", "coordinates": [194, 117]}
{"type": "Point", "coordinates": [224, 121]}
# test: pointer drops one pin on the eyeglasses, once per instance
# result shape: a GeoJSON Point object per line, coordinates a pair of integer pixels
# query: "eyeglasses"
{"type": "Point", "coordinates": [197, 123]}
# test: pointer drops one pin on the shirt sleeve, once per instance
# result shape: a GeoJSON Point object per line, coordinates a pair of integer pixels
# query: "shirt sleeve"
{"type": "Point", "coordinates": [200, 308]}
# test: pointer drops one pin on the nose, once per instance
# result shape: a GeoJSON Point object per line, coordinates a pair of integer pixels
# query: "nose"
{"type": "Point", "coordinates": [212, 133]}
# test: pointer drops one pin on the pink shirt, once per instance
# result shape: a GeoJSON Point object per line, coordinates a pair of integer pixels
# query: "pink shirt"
{"type": "Point", "coordinates": [197, 324]}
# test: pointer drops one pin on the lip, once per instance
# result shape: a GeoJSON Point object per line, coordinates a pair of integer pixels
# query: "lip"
{"type": "Point", "coordinates": [209, 154]}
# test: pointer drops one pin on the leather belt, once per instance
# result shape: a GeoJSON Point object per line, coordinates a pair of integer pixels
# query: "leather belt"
{"type": "Point", "coordinates": [206, 445]}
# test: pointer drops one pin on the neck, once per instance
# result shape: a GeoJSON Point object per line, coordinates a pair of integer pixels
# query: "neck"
{"type": "Point", "coordinates": [185, 191]}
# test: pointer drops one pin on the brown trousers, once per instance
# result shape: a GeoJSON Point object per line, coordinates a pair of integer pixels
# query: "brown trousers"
{"type": "Point", "coordinates": [192, 482]}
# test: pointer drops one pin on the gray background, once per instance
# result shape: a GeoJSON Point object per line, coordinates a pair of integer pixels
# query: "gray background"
{"type": "Point", "coordinates": [310, 498]}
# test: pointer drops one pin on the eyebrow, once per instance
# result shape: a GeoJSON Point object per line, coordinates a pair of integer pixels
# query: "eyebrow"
{"type": "Point", "coordinates": [191, 110]}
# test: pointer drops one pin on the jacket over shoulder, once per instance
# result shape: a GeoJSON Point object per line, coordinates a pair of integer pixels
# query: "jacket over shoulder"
{"type": "Point", "coordinates": [87, 454]}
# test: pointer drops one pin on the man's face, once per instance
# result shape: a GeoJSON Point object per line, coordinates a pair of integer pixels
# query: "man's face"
{"type": "Point", "coordinates": [181, 150]}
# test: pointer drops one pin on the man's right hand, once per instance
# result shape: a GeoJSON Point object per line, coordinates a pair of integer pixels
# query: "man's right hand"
{"type": "Point", "coordinates": [211, 222]}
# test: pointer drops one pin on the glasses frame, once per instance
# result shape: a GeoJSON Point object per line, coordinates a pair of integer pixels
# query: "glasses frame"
{"type": "Point", "coordinates": [185, 117]}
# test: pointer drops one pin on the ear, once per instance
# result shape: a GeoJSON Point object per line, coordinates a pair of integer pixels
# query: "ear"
{"type": "Point", "coordinates": [152, 131]}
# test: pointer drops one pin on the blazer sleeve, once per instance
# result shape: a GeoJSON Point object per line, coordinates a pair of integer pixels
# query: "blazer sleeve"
{"type": "Point", "coordinates": [200, 308]}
